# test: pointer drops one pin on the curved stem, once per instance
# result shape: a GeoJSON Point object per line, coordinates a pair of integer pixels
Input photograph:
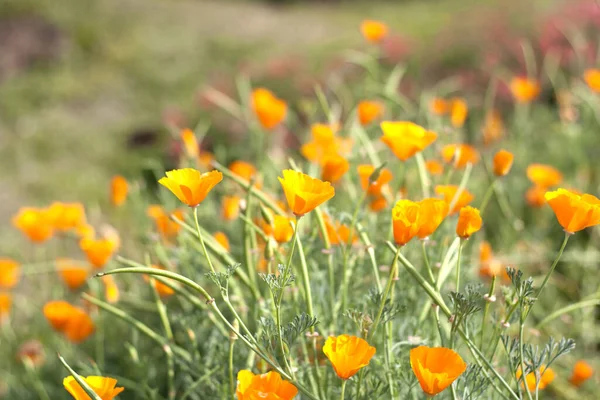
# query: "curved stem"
{"type": "Point", "coordinates": [210, 264]}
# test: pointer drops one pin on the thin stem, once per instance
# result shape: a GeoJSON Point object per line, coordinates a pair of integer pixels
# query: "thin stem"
{"type": "Point", "coordinates": [486, 310]}
{"type": "Point", "coordinates": [231, 376]}
{"type": "Point", "coordinates": [386, 293]}
{"type": "Point", "coordinates": [343, 389]}
{"type": "Point", "coordinates": [423, 176]}
{"type": "Point", "coordinates": [521, 355]}
{"type": "Point", "coordinates": [487, 196]}
{"type": "Point", "coordinates": [210, 264]}
{"type": "Point", "coordinates": [460, 246]}
{"type": "Point", "coordinates": [346, 247]}
{"type": "Point", "coordinates": [426, 261]}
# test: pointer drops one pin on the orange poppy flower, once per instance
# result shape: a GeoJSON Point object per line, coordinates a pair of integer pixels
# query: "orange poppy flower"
{"type": "Point", "coordinates": [546, 377]}
{"type": "Point", "coordinates": [73, 275]}
{"type": "Point", "coordinates": [373, 31]}
{"type": "Point", "coordinates": [304, 193]}
{"type": "Point", "coordinates": [190, 143]}
{"type": "Point", "coordinates": [405, 216]}
{"type": "Point", "coordinates": [282, 228]}
{"type": "Point", "coordinates": [373, 188]}
{"type": "Point", "coordinates": [489, 266]}
{"type": "Point", "coordinates": [222, 239]}
{"type": "Point", "coordinates": [458, 112]}
{"type": "Point", "coordinates": [434, 167]}
{"type": "Point", "coordinates": [338, 233]}
{"type": "Point", "coordinates": [439, 106]}
{"type": "Point", "coordinates": [5, 305]}
{"type": "Point", "coordinates": [66, 216]}
{"type": "Point", "coordinates": [348, 354]}
{"type": "Point", "coordinates": [269, 110]}
{"type": "Point", "coordinates": [503, 161]}
{"type": "Point", "coordinates": [189, 185]}
{"type": "Point", "coordinates": [406, 139]}
{"type": "Point", "coordinates": [544, 175]}
{"type": "Point", "coordinates": [449, 191]}
{"type": "Point", "coordinates": [31, 352]}
{"type": "Point", "coordinates": [162, 289]}
{"type": "Point", "coordinates": [582, 371]}
{"type": "Point", "coordinates": [118, 190]}
{"type": "Point", "coordinates": [111, 290]}
{"type": "Point", "coordinates": [230, 207]}
{"type": "Point", "coordinates": [265, 386]}
{"type": "Point", "coordinates": [469, 222]}
{"type": "Point", "coordinates": [592, 78]}
{"type": "Point", "coordinates": [243, 169]}
{"type": "Point", "coordinates": [35, 223]}
{"type": "Point", "coordinates": [166, 227]}
{"type": "Point", "coordinates": [574, 211]}
{"type": "Point", "coordinates": [205, 159]}
{"type": "Point", "coordinates": [524, 89]}
{"type": "Point", "coordinates": [85, 231]}
{"type": "Point", "coordinates": [71, 321]}
{"type": "Point", "coordinates": [334, 168]}
{"type": "Point", "coordinates": [378, 203]}
{"type": "Point", "coordinates": [10, 273]}
{"type": "Point", "coordinates": [535, 196]}
{"type": "Point", "coordinates": [431, 214]}
{"type": "Point", "coordinates": [103, 387]}
{"type": "Point", "coordinates": [460, 155]}
{"type": "Point", "coordinates": [493, 127]}
{"type": "Point", "coordinates": [324, 143]}
{"type": "Point", "coordinates": [436, 367]}
{"type": "Point", "coordinates": [98, 251]}
{"type": "Point", "coordinates": [369, 111]}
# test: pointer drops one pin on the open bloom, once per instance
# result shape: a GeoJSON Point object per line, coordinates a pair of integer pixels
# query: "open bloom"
{"type": "Point", "coordinates": [266, 386]}
{"type": "Point", "coordinates": [66, 216]}
{"type": "Point", "coordinates": [524, 89]}
{"type": "Point", "coordinates": [348, 354]}
{"type": "Point", "coordinates": [369, 111]}
{"type": "Point", "coordinates": [469, 222]}
{"type": "Point", "coordinates": [230, 207]}
{"type": "Point", "coordinates": [459, 155]}
{"type": "Point", "coordinates": [546, 376]}
{"type": "Point", "coordinates": [592, 78]}
{"type": "Point", "coordinates": [10, 273]}
{"type": "Point", "coordinates": [269, 109]}
{"type": "Point", "coordinates": [35, 223]}
{"type": "Point", "coordinates": [404, 221]}
{"type": "Point", "coordinates": [167, 228]}
{"type": "Point", "coordinates": [98, 251]}
{"type": "Point", "coordinates": [449, 192]}
{"type": "Point", "coordinates": [190, 143]}
{"type": "Point", "coordinates": [190, 185]}
{"type": "Point", "coordinates": [434, 167]}
{"type": "Point", "coordinates": [72, 274]}
{"type": "Point", "coordinates": [325, 143]}
{"type": "Point", "coordinates": [574, 211]}
{"type": "Point", "coordinates": [503, 161]}
{"type": "Point", "coordinates": [304, 193]}
{"type": "Point", "coordinates": [71, 321]}
{"type": "Point", "coordinates": [118, 190]}
{"type": "Point", "coordinates": [334, 168]}
{"type": "Point", "coordinates": [375, 186]}
{"type": "Point", "coordinates": [431, 214]}
{"type": "Point", "coordinates": [243, 169]}
{"type": "Point", "coordinates": [373, 31]}
{"type": "Point", "coordinates": [436, 367]}
{"type": "Point", "coordinates": [405, 138]}
{"type": "Point", "coordinates": [544, 175]}
{"type": "Point", "coordinates": [338, 233]}
{"type": "Point", "coordinates": [582, 371]}
{"type": "Point", "coordinates": [103, 387]}
{"type": "Point", "coordinates": [458, 112]}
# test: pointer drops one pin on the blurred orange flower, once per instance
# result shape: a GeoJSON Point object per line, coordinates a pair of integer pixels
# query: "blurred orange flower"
{"type": "Point", "coordinates": [582, 371]}
{"type": "Point", "coordinates": [10, 273]}
{"type": "Point", "coordinates": [503, 161]}
{"type": "Point", "coordinates": [118, 190]}
{"type": "Point", "coordinates": [35, 223]}
{"type": "Point", "coordinates": [266, 386]}
{"type": "Point", "coordinates": [71, 321]}
{"type": "Point", "coordinates": [222, 239]}
{"type": "Point", "coordinates": [244, 170]}
{"type": "Point", "coordinates": [449, 192]}
{"type": "Point", "coordinates": [5, 305]}
{"type": "Point", "coordinates": [431, 214]}
{"type": "Point", "coordinates": [460, 155]}
{"type": "Point", "coordinates": [103, 387]}
{"type": "Point", "coordinates": [162, 289]}
{"type": "Point", "coordinates": [338, 233]}
{"type": "Point", "coordinates": [493, 127]}
{"type": "Point", "coordinates": [205, 159]}
{"type": "Point", "coordinates": [324, 143]}
{"type": "Point", "coordinates": [268, 108]}
{"type": "Point", "coordinates": [524, 89]}
{"type": "Point", "coordinates": [230, 207]}
{"type": "Point", "coordinates": [405, 139]}
{"type": "Point", "coordinates": [334, 168]}
{"type": "Point", "coordinates": [190, 143]}
{"type": "Point", "coordinates": [546, 377]}
{"type": "Point", "coordinates": [544, 175]}
{"type": "Point", "coordinates": [592, 78]}
{"type": "Point", "coordinates": [66, 216]}
{"type": "Point", "coordinates": [489, 266]}
{"type": "Point", "coordinates": [282, 228]}
{"type": "Point", "coordinates": [574, 211]}
{"type": "Point", "coordinates": [98, 251]}
{"type": "Point", "coordinates": [189, 185]}
{"type": "Point", "coordinates": [72, 274]}
{"type": "Point", "coordinates": [348, 354]}
{"type": "Point", "coordinates": [165, 226]}
{"type": "Point", "coordinates": [439, 106]}
{"type": "Point", "coordinates": [469, 222]}
{"type": "Point", "coordinates": [436, 367]}
{"type": "Point", "coordinates": [535, 196]}
{"type": "Point", "coordinates": [111, 290]}
{"type": "Point", "coordinates": [373, 31]}
{"type": "Point", "coordinates": [304, 193]}
{"type": "Point", "coordinates": [458, 112]}
{"type": "Point", "coordinates": [434, 167]}
{"type": "Point", "coordinates": [374, 188]}
{"type": "Point", "coordinates": [369, 111]}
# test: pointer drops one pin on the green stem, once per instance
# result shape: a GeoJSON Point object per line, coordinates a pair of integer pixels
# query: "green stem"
{"type": "Point", "coordinates": [487, 196]}
{"type": "Point", "coordinates": [486, 310]}
{"type": "Point", "coordinates": [231, 375]}
{"type": "Point", "coordinates": [343, 389]}
{"type": "Point", "coordinates": [568, 309]}
{"type": "Point", "coordinates": [210, 264]}
{"type": "Point", "coordinates": [460, 246]}
{"type": "Point", "coordinates": [386, 293]}
{"type": "Point", "coordinates": [521, 355]}
{"type": "Point", "coordinates": [423, 176]}
{"type": "Point", "coordinates": [426, 261]}
{"type": "Point", "coordinates": [346, 247]}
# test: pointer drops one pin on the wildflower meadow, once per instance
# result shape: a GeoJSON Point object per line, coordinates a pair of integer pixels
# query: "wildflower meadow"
{"type": "Point", "coordinates": [383, 231]}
